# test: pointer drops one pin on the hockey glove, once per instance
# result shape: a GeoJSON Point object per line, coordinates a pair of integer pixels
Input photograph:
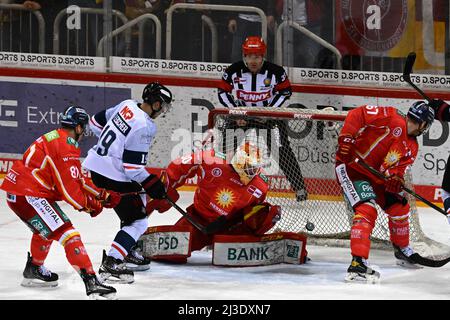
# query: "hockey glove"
{"type": "Point", "coordinates": [261, 218]}
{"type": "Point", "coordinates": [154, 187]}
{"type": "Point", "coordinates": [394, 184]}
{"type": "Point", "coordinates": [93, 206]}
{"type": "Point", "coordinates": [346, 148]}
{"type": "Point", "coordinates": [109, 198]}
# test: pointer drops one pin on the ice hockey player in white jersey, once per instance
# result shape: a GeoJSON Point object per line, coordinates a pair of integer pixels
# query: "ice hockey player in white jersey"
{"type": "Point", "coordinates": [118, 161]}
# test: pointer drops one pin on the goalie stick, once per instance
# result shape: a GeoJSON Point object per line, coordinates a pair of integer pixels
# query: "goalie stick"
{"type": "Point", "coordinates": [415, 257]}
{"type": "Point", "coordinates": [410, 59]}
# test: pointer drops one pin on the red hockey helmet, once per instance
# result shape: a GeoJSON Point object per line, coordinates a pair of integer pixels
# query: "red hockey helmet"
{"type": "Point", "coordinates": [255, 45]}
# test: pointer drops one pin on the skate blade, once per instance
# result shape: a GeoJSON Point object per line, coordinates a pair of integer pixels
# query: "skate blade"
{"type": "Point", "coordinates": [36, 283]}
{"type": "Point", "coordinates": [98, 296]}
{"type": "Point", "coordinates": [353, 277]}
{"type": "Point", "coordinates": [110, 279]}
{"type": "Point", "coordinates": [136, 267]}
{"type": "Point", "coordinates": [407, 265]}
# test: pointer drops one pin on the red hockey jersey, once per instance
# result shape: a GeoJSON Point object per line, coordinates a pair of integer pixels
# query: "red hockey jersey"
{"type": "Point", "coordinates": [220, 190]}
{"type": "Point", "coordinates": [381, 138]}
{"type": "Point", "coordinates": [50, 168]}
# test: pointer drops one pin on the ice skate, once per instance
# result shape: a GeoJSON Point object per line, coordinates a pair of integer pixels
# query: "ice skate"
{"type": "Point", "coordinates": [114, 270]}
{"type": "Point", "coordinates": [94, 289]}
{"type": "Point", "coordinates": [403, 257]}
{"type": "Point", "coordinates": [38, 276]}
{"type": "Point", "coordinates": [359, 271]}
{"type": "Point", "coordinates": [134, 261]}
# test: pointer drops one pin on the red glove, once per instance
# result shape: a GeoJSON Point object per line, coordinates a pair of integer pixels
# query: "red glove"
{"type": "Point", "coordinates": [346, 148]}
{"type": "Point", "coordinates": [93, 206]}
{"type": "Point", "coordinates": [163, 205]}
{"type": "Point", "coordinates": [109, 198]}
{"type": "Point", "coordinates": [394, 184]}
{"type": "Point", "coordinates": [261, 218]}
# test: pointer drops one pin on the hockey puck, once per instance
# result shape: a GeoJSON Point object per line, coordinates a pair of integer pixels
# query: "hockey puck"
{"type": "Point", "coordinates": [309, 226]}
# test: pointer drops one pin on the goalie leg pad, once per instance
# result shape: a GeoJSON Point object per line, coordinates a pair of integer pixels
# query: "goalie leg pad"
{"type": "Point", "coordinates": [246, 251]}
{"type": "Point", "coordinates": [173, 243]}
{"type": "Point", "coordinates": [399, 224]}
{"type": "Point", "coordinates": [363, 224]}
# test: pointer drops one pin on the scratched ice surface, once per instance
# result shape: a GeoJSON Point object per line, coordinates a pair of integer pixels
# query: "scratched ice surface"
{"type": "Point", "coordinates": [321, 278]}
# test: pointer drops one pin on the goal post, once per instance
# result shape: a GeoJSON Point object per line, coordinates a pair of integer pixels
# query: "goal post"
{"type": "Point", "coordinates": [299, 146]}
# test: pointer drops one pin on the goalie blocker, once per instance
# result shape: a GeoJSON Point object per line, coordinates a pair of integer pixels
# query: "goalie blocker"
{"type": "Point", "coordinates": [172, 243]}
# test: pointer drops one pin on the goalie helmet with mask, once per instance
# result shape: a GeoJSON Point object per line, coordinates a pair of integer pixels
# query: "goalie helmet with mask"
{"type": "Point", "coordinates": [156, 92]}
{"type": "Point", "coordinates": [247, 162]}
{"type": "Point", "coordinates": [420, 112]}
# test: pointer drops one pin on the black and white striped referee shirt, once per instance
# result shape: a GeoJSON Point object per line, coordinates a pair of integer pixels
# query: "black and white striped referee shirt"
{"type": "Point", "coordinates": [269, 88]}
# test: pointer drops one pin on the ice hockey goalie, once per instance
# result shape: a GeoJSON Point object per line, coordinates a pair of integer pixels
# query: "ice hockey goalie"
{"type": "Point", "coordinates": [235, 189]}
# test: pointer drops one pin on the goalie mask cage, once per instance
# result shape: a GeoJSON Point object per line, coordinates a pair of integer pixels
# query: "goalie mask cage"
{"type": "Point", "coordinates": [312, 136]}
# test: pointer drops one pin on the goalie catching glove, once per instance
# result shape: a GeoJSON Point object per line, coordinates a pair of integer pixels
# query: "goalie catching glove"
{"type": "Point", "coordinates": [261, 218]}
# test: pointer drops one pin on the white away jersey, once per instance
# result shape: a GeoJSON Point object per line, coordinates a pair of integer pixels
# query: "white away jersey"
{"type": "Point", "coordinates": [125, 134]}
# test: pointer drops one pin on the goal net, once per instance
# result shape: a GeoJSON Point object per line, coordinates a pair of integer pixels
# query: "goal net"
{"type": "Point", "coordinates": [299, 147]}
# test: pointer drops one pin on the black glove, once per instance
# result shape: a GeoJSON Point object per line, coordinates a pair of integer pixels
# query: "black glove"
{"type": "Point", "coordinates": [441, 109]}
{"type": "Point", "coordinates": [154, 187]}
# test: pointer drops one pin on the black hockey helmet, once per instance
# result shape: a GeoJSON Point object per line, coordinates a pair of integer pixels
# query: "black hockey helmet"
{"type": "Point", "coordinates": [154, 91]}
{"type": "Point", "coordinates": [74, 116]}
{"type": "Point", "coordinates": [421, 112]}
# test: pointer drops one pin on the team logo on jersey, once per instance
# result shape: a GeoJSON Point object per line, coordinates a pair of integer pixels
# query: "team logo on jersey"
{"type": "Point", "coordinates": [375, 25]}
{"type": "Point", "coordinates": [267, 82]}
{"type": "Point", "coordinates": [225, 198]}
{"type": "Point", "coordinates": [392, 158]}
{"type": "Point", "coordinates": [216, 172]}
{"type": "Point", "coordinates": [126, 113]}
{"type": "Point", "coordinates": [397, 132]}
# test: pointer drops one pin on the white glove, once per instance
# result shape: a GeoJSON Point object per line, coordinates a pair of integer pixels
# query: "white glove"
{"type": "Point", "coordinates": [448, 218]}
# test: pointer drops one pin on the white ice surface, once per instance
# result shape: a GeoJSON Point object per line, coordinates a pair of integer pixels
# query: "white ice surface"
{"type": "Point", "coordinates": [321, 278]}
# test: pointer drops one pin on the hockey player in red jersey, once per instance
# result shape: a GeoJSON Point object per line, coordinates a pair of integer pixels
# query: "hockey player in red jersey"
{"type": "Point", "coordinates": [50, 171]}
{"type": "Point", "coordinates": [386, 140]}
{"type": "Point", "coordinates": [236, 191]}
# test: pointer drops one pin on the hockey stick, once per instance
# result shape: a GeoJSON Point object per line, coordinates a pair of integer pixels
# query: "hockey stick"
{"type": "Point", "coordinates": [415, 257]}
{"type": "Point", "coordinates": [211, 228]}
{"type": "Point", "coordinates": [410, 59]}
{"type": "Point", "coordinates": [382, 176]}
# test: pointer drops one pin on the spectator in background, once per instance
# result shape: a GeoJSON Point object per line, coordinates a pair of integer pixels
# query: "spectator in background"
{"type": "Point", "coordinates": [244, 24]}
{"type": "Point", "coordinates": [298, 49]}
{"type": "Point", "coordinates": [136, 8]}
{"type": "Point", "coordinates": [187, 33]}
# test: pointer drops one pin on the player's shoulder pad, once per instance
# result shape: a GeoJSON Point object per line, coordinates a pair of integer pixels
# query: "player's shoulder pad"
{"type": "Point", "coordinates": [52, 135]}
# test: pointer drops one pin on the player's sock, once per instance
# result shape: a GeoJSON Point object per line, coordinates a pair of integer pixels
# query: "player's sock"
{"type": "Point", "coordinates": [75, 251]}
{"type": "Point", "coordinates": [39, 249]}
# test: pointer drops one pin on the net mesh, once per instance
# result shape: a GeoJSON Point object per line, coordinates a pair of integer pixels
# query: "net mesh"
{"type": "Point", "coordinates": [299, 148]}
